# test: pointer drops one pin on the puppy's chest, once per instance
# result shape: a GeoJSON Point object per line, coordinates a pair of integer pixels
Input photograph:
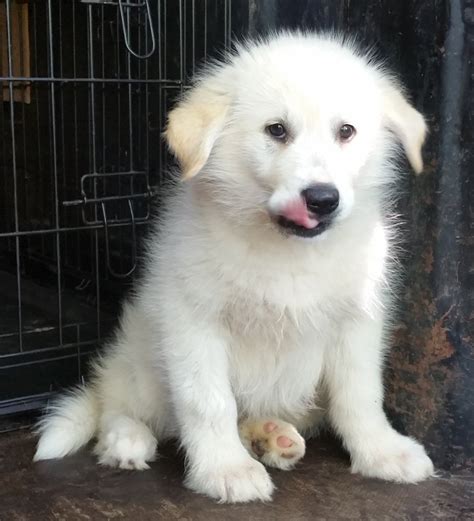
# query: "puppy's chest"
{"type": "Point", "coordinates": [275, 358]}
{"type": "Point", "coordinates": [278, 308]}
{"type": "Point", "coordinates": [252, 318]}
{"type": "Point", "coordinates": [278, 328]}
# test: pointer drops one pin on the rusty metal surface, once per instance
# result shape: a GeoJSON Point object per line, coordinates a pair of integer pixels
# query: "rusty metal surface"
{"type": "Point", "coordinates": [77, 489]}
{"type": "Point", "coordinates": [431, 368]}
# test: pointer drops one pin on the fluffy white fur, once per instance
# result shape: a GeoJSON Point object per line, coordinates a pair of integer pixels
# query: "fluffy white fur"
{"type": "Point", "coordinates": [236, 321]}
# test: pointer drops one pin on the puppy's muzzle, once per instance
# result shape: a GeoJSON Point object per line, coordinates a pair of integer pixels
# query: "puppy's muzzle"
{"type": "Point", "coordinates": [311, 213]}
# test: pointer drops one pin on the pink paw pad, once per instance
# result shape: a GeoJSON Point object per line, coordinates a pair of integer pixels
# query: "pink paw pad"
{"type": "Point", "coordinates": [284, 442]}
{"type": "Point", "coordinates": [269, 427]}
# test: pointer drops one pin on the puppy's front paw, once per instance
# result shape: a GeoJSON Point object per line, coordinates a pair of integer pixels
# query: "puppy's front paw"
{"type": "Point", "coordinates": [394, 458]}
{"type": "Point", "coordinates": [233, 483]}
{"type": "Point", "coordinates": [275, 443]}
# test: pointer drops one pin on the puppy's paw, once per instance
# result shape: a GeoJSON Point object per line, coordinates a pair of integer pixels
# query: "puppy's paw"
{"type": "Point", "coordinates": [274, 442]}
{"type": "Point", "coordinates": [396, 458]}
{"type": "Point", "coordinates": [239, 482]}
{"type": "Point", "coordinates": [126, 444]}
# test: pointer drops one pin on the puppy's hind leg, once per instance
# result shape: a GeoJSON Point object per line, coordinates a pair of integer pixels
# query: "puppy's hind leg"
{"type": "Point", "coordinates": [125, 442]}
{"type": "Point", "coordinates": [274, 442]}
{"type": "Point", "coordinates": [124, 438]}
{"type": "Point", "coordinates": [132, 397]}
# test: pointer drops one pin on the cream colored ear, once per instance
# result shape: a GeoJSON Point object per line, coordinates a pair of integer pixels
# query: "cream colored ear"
{"type": "Point", "coordinates": [193, 127]}
{"type": "Point", "coordinates": [407, 124]}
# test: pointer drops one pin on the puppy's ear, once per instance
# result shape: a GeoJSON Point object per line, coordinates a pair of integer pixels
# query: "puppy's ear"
{"type": "Point", "coordinates": [407, 124]}
{"type": "Point", "coordinates": [194, 125]}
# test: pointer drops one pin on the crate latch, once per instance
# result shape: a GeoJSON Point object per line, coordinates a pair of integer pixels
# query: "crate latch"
{"type": "Point", "coordinates": [134, 243]}
{"type": "Point", "coordinates": [94, 207]}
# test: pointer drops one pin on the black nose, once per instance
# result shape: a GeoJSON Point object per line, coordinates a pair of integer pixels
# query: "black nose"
{"type": "Point", "coordinates": [321, 198]}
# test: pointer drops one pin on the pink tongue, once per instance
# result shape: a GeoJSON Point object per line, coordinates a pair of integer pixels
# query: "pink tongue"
{"type": "Point", "coordinates": [297, 212]}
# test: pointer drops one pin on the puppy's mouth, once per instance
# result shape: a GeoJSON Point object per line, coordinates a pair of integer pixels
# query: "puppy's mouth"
{"type": "Point", "coordinates": [293, 228]}
{"type": "Point", "coordinates": [296, 219]}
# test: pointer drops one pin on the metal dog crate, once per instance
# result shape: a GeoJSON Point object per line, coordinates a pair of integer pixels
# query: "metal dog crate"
{"type": "Point", "coordinates": [85, 86]}
{"type": "Point", "coordinates": [84, 90]}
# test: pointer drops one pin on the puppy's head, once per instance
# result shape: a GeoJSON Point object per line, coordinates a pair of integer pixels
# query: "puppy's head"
{"type": "Point", "coordinates": [294, 131]}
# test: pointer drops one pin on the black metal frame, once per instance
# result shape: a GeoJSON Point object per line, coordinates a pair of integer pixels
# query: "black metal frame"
{"type": "Point", "coordinates": [79, 167]}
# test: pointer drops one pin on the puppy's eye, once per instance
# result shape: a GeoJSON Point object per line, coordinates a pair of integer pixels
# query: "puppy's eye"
{"type": "Point", "coordinates": [346, 133]}
{"type": "Point", "coordinates": [277, 130]}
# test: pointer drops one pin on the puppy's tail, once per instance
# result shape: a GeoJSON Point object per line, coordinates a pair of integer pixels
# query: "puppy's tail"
{"type": "Point", "coordinates": [68, 425]}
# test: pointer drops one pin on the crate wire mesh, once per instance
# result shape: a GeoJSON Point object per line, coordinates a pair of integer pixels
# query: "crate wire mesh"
{"type": "Point", "coordinates": [85, 87]}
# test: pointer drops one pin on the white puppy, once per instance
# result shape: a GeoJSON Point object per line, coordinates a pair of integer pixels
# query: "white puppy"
{"type": "Point", "coordinates": [264, 305]}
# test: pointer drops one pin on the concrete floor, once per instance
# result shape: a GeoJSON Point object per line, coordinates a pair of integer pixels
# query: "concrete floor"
{"type": "Point", "coordinates": [321, 488]}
